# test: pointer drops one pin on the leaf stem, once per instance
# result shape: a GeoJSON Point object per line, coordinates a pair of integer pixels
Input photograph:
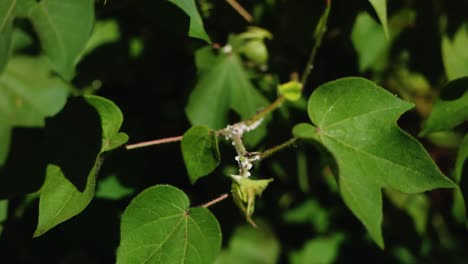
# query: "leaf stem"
{"type": "Point", "coordinates": [320, 30]}
{"type": "Point", "coordinates": [154, 142]}
{"type": "Point", "coordinates": [267, 153]}
{"type": "Point", "coordinates": [241, 10]}
{"type": "Point", "coordinates": [214, 201]}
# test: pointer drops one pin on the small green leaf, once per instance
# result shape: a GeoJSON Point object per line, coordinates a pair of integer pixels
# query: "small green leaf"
{"type": "Point", "coordinates": [446, 114]}
{"type": "Point", "coordinates": [200, 151]}
{"type": "Point", "coordinates": [455, 54]}
{"type": "Point", "coordinates": [356, 122]}
{"type": "Point", "coordinates": [59, 198]}
{"type": "Point", "coordinates": [7, 8]}
{"type": "Point", "coordinates": [322, 250]}
{"type": "Point", "coordinates": [196, 28]}
{"type": "Point", "coordinates": [251, 245]}
{"type": "Point", "coordinates": [292, 90]}
{"type": "Point", "coordinates": [224, 86]}
{"type": "Point", "coordinates": [159, 227]}
{"type": "Point", "coordinates": [111, 189]}
{"type": "Point", "coordinates": [3, 210]}
{"type": "Point", "coordinates": [380, 7]}
{"type": "Point", "coordinates": [461, 176]}
{"type": "Point", "coordinates": [244, 191]}
{"type": "Point", "coordinates": [63, 26]}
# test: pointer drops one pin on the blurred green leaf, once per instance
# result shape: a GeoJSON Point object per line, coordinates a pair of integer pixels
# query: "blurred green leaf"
{"type": "Point", "coordinates": [291, 90]}
{"type": "Point", "coordinates": [64, 27]}
{"type": "Point", "coordinates": [380, 7]}
{"type": "Point", "coordinates": [416, 205]}
{"type": "Point", "coordinates": [455, 54]}
{"type": "Point", "coordinates": [196, 28]}
{"type": "Point", "coordinates": [446, 114]}
{"type": "Point", "coordinates": [249, 245]}
{"type": "Point", "coordinates": [355, 121]}
{"type": "Point", "coordinates": [309, 212]}
{"type": "Point", "coordinates": [322, 250]}
{"type": "Point", "coordinates": [59, 198]}
{"type": "Point", "coordinates": [110, 188]}
{"type": "Point", "coordinates": [461, 173]}
{"type": "Point", "coordinates": [370, 42]}
{"type": "Point", "coordinates": [104, 32]}
{"type": "Point", "coordinates": [159, 227]}
{"type": "Point", "coordinates": [21, 40]}
{"type": "Point", "coordinates": [7, 8]}
{"type": "Point", "coordinates": [28, 94]}
{"type": "Point", "coordinates": [222, 87]}
{"type": "Point", "coordinates": [200, 151]}
{"type": "Point", "coordinates": [3, 210]}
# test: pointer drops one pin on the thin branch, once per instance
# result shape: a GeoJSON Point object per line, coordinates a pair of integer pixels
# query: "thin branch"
{"type": "Point", "coordinates": [320, 30]}
{"type": "Point", "coordinates": [214, 201]}
{"type": "Point", "coordinates": [241, 10]}
{"type": "Point", "coordinates": [267, 153]}
{"type": "Point", "coordinates": [154, 142]}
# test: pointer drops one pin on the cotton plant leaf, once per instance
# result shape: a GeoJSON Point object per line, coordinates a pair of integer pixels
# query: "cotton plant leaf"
{"type": "Point", "coordinates": [196, 28]}
{"type": "Point", "coordinates": [110, 188]}
{"type": "Point", "coordinates": [356, 121]}
{"type": "Point", "coordinates": [63, 27]}
{"type": "Point", "coordinates": [455, 54]}
{"type": "Point", "coordinates": [159, 227]}
{"type": "Point", "coordinates": [447, 114]}
{"type": "Point", "coordinates": [7, 8]}
{"type": "Point", "coordinates": [321, 250]}
{"type": "Point", "coordinates": [200, 152]}
{"type": "Point", "coordinates": [461, 174]}
{"type": "Point", "coordinates": [380, 7]}
{"type": "Point", "coordinates": [28, 94]}
{"type": "Point", "coordinates": [59, 198]}
{"type": "Point", "coordinates": [251, 245]}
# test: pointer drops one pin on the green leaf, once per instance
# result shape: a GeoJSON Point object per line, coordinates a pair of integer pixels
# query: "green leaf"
{"type": "Point", "coordinates": [356, 122]}
{"type": "Point", "coordinates": [291, 90]}
{"type": "Point", "coordinates": [63, 26]}
{"type": "Point", "coordinates": [322, 250]}
{"type": "Point", "coordinates": [196, 28]}
{"type": "Point", "coordinates": [28, 94]}
{"type": "Point", "coordinates": [251, 245]}
{"type": "Point", "coordinates": [462, 156]}
{"type": "Point", "coordinates": [461, 174]}
{"type": "Point", "coordinates": [455, 54]}
{"type": "Point", "coordinates": [223, 87]}
{"type": "Point", "coordinates": [104, 32]}
{"type": "Point", "coordinates": [111, 189]}
{"type": "Point", "coordinates": [380, 7]}
{"type": "Point", "coordinates": [7, 8]}
{"type": "Point", "coordinates": [200, 151]}
{"type": "Point", "coordinates": [3, 210]}
{"type": "Point", "coordinates": [159, 227]}
{"type": "Point", "coordinates": [369, 39]}
{"type": "Point", "coordinates": [446, 114]}
{"type": "Point", "coordinates": [59, 198]}
{"type": "Point", "coordinates": [309, 212]}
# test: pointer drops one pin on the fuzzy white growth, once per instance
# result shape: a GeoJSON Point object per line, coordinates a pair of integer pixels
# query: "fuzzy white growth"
{"type": "Point", "coordinates": [227, 49]}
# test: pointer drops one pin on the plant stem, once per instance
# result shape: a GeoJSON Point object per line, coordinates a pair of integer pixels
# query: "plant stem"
{"type": "Point", "coordinates": [320, 30]}
{"type": "Point", "coordinates": [214, 201]}
{"type": "Point", "coordinates": [241, 10]}
{"type": "Point", "coordinates": [154, 142]}
{"type": "Point", "coordinates": [270, 108]}
{"type": "Point", "coordinates": [267, 153]}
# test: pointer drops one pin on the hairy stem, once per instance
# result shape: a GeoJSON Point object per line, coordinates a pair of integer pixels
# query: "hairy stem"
{"type": "Point", "coordinates": [320, 30]}
{"type": "Point", "coordinates": [270, 108]}
{"type": "Point", "coordinates": [154, 142]}
{"type": "Point", "coordinates": [267, 153]}
{"type": "Point", "coordinates": [214, 201]}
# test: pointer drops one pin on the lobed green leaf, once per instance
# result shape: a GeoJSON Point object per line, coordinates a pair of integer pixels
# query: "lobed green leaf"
{"type": "Point", "coordinates": [356, 122]}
